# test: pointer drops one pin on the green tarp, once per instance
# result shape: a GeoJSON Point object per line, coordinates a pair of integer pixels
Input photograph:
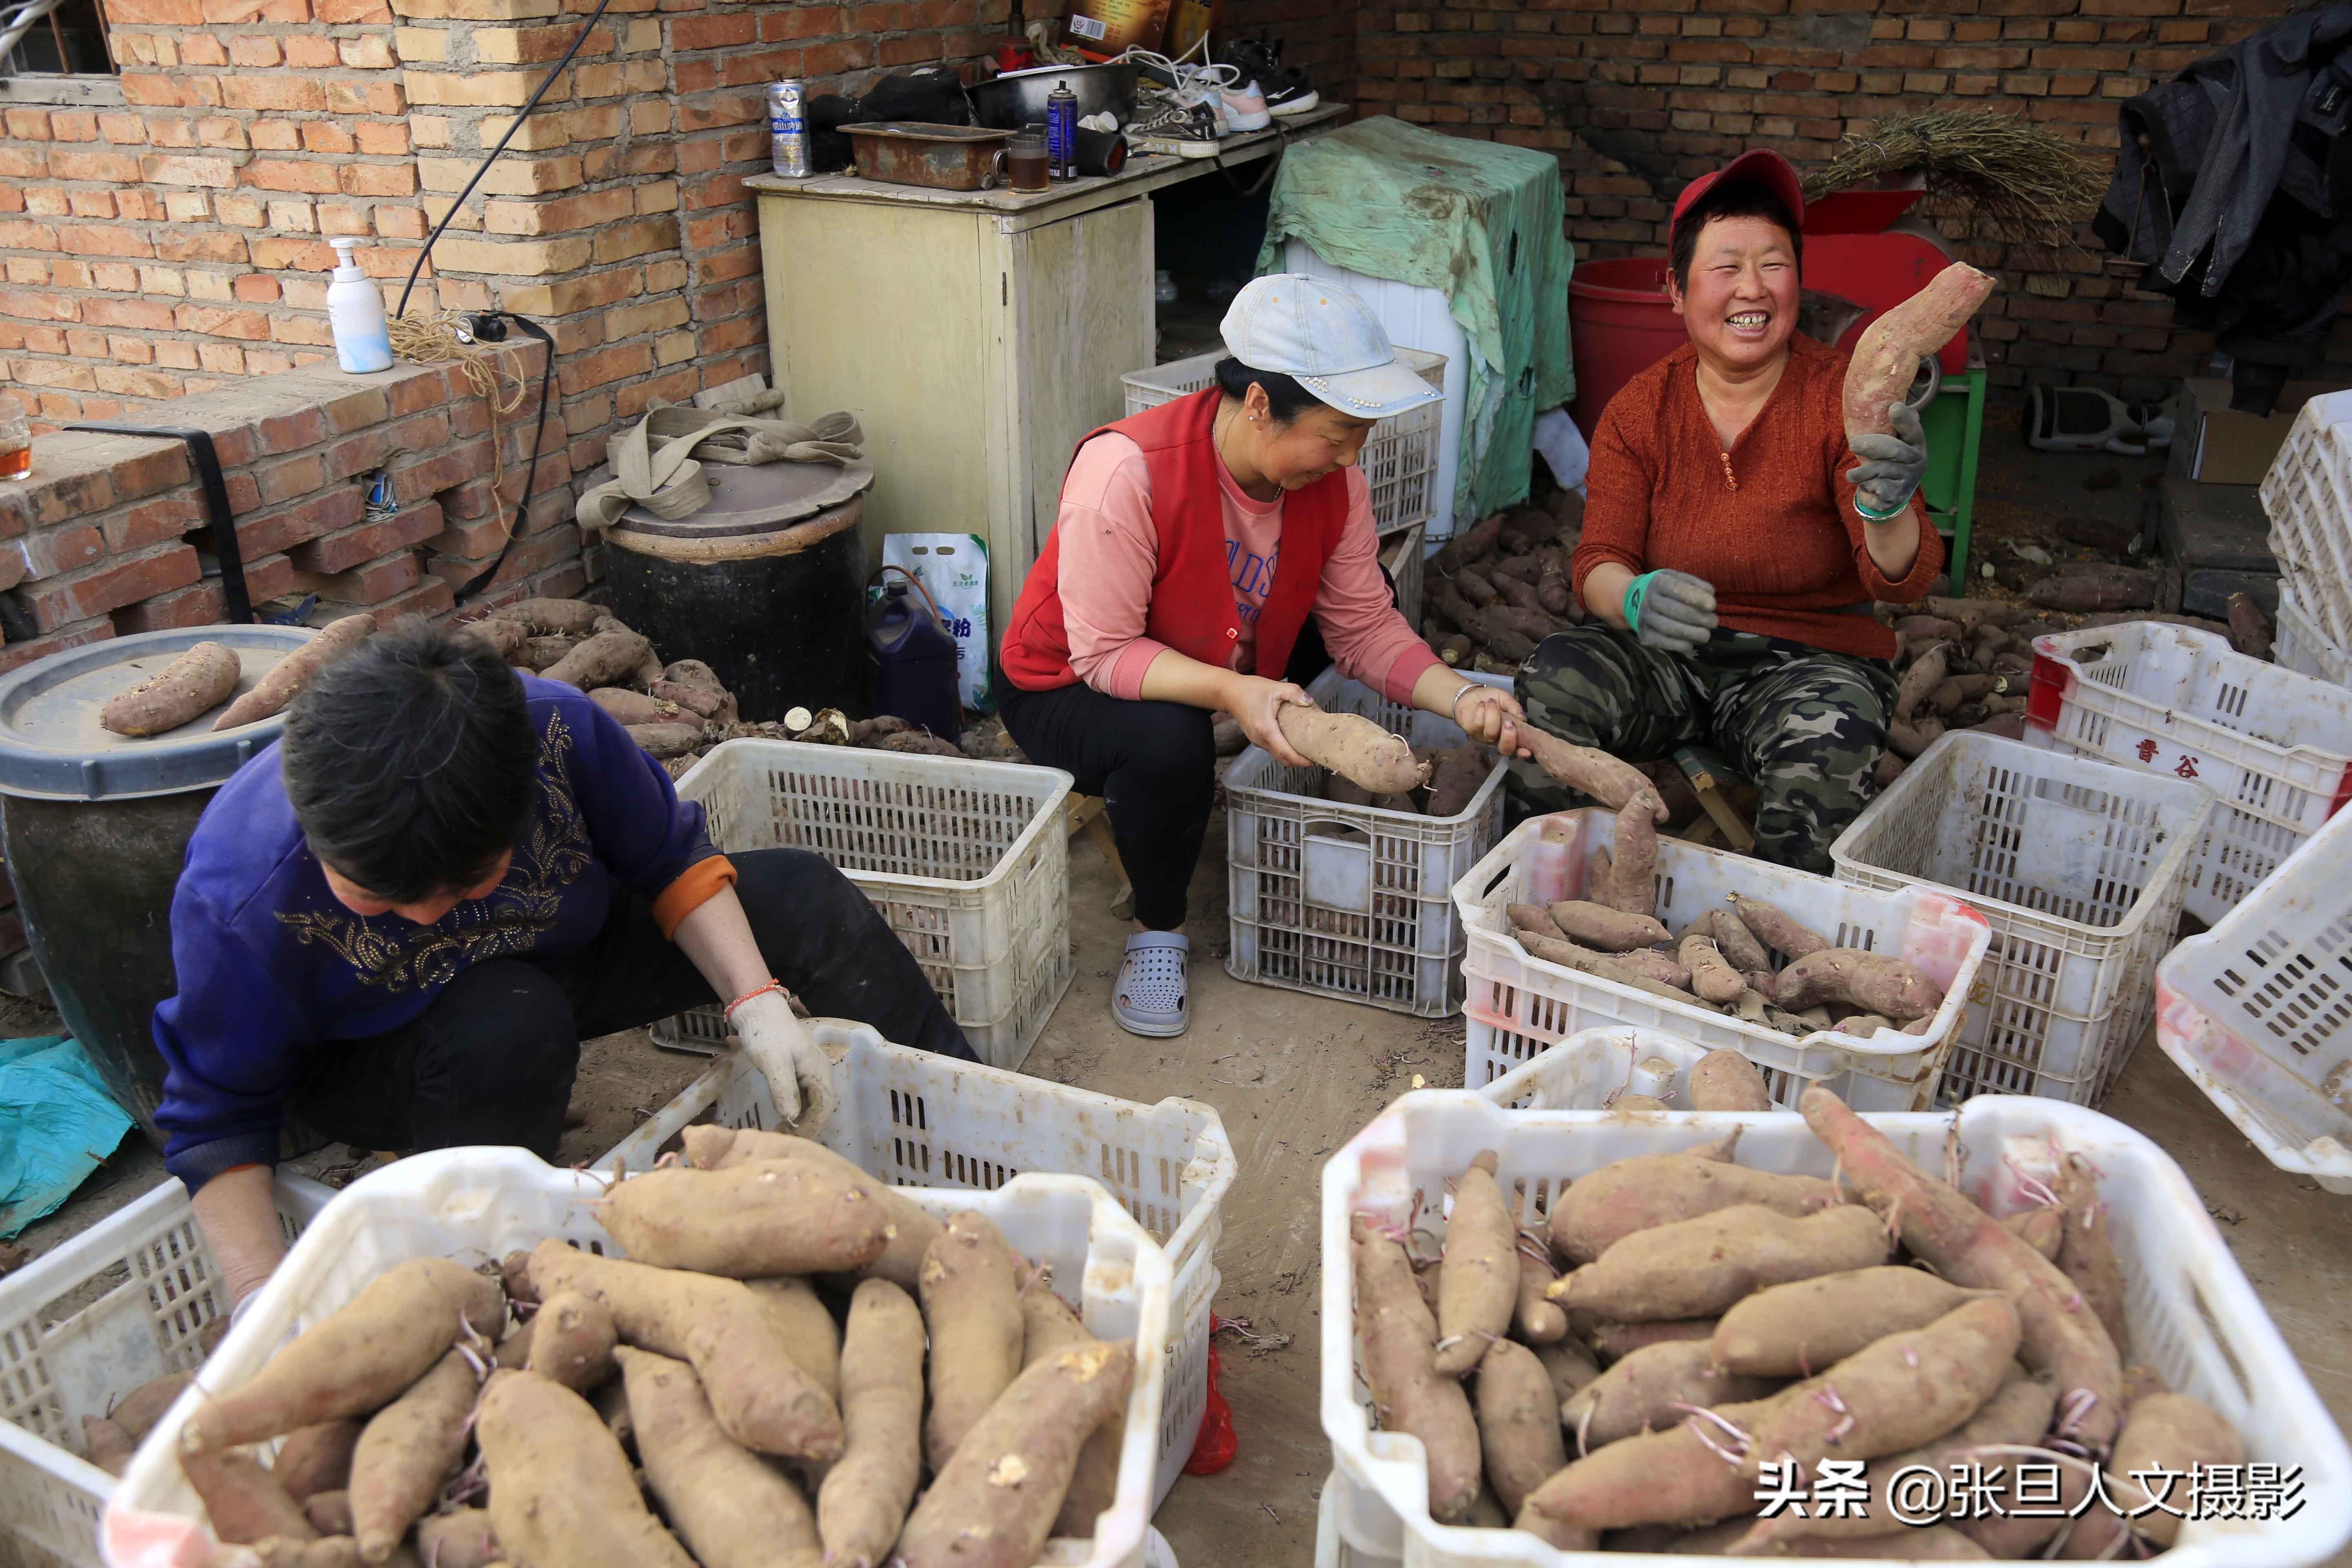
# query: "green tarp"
{"type": "Point", "coordinates": [1390, 200]}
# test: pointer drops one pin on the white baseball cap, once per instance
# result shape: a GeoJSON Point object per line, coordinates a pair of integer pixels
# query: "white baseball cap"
{"type": "Point", "coordinates": [1326, 339]}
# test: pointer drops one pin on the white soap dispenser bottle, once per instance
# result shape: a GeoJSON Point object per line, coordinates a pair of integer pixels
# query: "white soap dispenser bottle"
{"type": "Point", "coordinates": [355, 312]}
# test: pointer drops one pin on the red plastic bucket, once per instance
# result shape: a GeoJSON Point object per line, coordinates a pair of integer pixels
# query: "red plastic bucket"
{"type": "Point", "coordinates": [1619, 325]}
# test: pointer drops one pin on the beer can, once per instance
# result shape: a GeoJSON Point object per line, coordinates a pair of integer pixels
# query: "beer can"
{"type": "Point", "coordinates": [788, 138]}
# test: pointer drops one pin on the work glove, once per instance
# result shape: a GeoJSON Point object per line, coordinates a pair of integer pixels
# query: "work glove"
{"type": "Point", "coordinates": [798, 1073]}
{"type": "Point", "coordinates": [1671, 611]}
{"type": "Point", "coordinates": [1891, 465]}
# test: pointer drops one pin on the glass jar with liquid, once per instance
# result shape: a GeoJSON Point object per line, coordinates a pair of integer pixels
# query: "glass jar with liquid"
{"type": "Point", "coordinates": [16, 440]}
{"type": "Point", "coordinates": [1029, 166]}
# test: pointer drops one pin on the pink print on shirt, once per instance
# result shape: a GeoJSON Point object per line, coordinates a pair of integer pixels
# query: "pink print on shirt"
{"type": "Point", "coordinates": [1252, 575]}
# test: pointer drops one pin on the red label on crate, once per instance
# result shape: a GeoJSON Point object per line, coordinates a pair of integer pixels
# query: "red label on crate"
{"type": "Point", "coordinates": [2053, 679]}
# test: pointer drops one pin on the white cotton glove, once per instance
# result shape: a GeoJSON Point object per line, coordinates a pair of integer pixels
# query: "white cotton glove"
{"type": "Point", "coordinates": [798, 1073]}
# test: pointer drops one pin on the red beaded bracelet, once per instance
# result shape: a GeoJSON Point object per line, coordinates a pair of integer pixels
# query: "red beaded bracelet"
{"type": "Point", "coordinates": [775, 985]}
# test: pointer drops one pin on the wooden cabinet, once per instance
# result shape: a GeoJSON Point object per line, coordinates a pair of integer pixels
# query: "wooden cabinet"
{"type": "Point", "coordinates": [976, 335]}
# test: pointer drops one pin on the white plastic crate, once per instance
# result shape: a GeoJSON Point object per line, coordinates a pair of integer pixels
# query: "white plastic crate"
{"type": "Point", "coordinates": [2080, 868]}
{"type": "Point", "coordinates": [477, 1205]}
{"type": "Point", "coordinates": [1401, 553]}
{"type": "Point", "coordinates": [2275, 747]}
{"type": "Point", "coordinates": [1400, 456]}
{"type": "Point", "coordinates": [1342, 1515]}
{"type": "Point", "coordinates": [2297, 643]}
{"type": "Point", "coordinates": [120, 1305]}
{"type": "Point", "coordinates": [1520, 1005]}
{"type": "Point", "coordinates": [2307, 496]}
{"type": "Point", "coordinates": [925, 1120]}
{"type": "Point", "coordinates": [1351, 901]}
{"type": "Point", "coordinates": [969, 863]}
{"type": "Point", "coordinates": [2192, 1315]}
{"type": "Point", "coordinates": [2258, 1011]}
{"type": "Point", "coordinates": [1590, 1069]}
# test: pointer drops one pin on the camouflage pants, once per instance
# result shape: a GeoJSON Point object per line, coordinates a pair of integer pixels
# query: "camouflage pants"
{"type": "Point", "coordinates": [1806, 726]}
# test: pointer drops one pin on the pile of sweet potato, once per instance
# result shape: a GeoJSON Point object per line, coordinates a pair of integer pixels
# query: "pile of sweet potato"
{"type": "Point", "coordinates": [1677, 1323]}
{"type": "Point", "coordinates": [748, 1390]}
{"type": "Point", "coordinates": [1725, 959]}
{"type": "Point", "coordinates": [1501, 586]}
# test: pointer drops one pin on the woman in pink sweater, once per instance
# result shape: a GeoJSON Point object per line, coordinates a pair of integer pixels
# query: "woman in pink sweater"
{"type": "Point", "coordinates": [1218, 553]}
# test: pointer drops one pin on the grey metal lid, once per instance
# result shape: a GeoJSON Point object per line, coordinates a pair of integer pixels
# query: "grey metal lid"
{"type": "Point", "coordinates": [52, 747]}
{"type": "Point", "coordinates": [754, 497]}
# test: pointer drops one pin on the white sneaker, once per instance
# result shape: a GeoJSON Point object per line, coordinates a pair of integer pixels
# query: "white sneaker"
{"type": "Point", "coordinates": [1245, 108]}
{"type": "Point", "coordinates": [1173, 127]}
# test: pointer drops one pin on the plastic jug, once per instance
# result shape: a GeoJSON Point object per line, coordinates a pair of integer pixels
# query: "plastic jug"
{"type": "Point", "coordinates": [915, 662]}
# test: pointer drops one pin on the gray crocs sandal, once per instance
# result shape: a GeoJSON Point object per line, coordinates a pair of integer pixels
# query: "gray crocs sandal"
{"type": "Point", "coordinates": [1149, 999]}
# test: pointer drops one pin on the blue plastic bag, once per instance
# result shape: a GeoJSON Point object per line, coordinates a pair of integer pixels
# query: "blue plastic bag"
{"type": "Point", "coordinates": [57, 1125]}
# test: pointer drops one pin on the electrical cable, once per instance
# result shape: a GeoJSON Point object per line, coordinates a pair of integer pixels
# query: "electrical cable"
{"type": "Point", "coordinates": [481, 579]}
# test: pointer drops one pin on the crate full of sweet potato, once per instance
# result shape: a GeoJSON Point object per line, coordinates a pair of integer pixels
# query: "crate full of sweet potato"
{"type": "Point", "coordinates": [1903, 1337]}
{"type": "Point", "coordinates": [756, 1356]}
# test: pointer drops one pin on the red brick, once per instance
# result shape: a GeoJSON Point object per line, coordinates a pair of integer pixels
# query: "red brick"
{"type": "Point", "coordinates": [376, 583]}
{"type": "Point", "coordinates": [277, 174]}
{"type": "Point", "coordinates": [152, 522]}
{"type": "Point", "coordinates": [108, 587]}
{"type": "Point", "coordinates": [18, 655]}
{"type": "Point", "coordinates": [338, 507]}
{"type": "Point", "coordinates": [354, 546]}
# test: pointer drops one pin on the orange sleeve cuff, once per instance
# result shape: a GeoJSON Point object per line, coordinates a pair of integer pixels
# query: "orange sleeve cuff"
{"type": "Point", "coordinates": [695, 887]}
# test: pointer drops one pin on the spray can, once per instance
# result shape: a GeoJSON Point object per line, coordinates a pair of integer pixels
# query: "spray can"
{"type": "Point", "coordinates": [1062, 131]}
{"type": "Point", "coordinates": [788, 138]}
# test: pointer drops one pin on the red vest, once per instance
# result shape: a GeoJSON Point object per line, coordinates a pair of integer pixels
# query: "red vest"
{"type": "Point", "coordinates": [1193, 608]}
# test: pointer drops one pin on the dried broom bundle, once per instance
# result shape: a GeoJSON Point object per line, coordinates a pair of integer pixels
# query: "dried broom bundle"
{"type": "Point", "coordinates": [2018, 181]}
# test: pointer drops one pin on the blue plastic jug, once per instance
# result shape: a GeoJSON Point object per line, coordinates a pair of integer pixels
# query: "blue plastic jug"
{"type": "Point", "coordinates": [915, 663]}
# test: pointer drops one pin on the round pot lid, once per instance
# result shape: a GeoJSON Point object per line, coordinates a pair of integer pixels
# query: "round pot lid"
{"type": "Point", "coordinates": [754, 497]}
{"type": "Point", "coordinates": [53, 748]}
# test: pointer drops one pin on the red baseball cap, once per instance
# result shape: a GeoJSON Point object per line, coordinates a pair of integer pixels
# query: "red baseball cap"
{"type": "Point", "coordinates": [1764, 166]}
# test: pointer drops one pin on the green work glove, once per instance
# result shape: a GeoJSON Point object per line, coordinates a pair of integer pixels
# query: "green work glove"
{"type": "Point", "coordinates": [1891, 464]}
{"type": "Point", "coordinates": [1671, 611]}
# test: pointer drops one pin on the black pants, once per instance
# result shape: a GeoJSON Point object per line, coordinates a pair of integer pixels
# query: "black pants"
{"type": "Point", "coordinates": [492, 1059]}
{"type": "Point", "coordinates": [1154, 764]}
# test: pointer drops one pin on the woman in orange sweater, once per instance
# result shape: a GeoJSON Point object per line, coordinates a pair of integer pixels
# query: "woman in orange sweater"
{"type": "Point", "coordinates": [1732, 549]}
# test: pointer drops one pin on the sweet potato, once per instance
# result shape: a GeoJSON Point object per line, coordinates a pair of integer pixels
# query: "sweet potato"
{"type": "Point", "coordinates": [760, 1395]}
{"type": "Point", "coordinates": [972, 1307]}
{"type": "Point", "coordinates": [865, 1497]}
{"type": "Point", "coordinates": [329, 1513]}
{"type": "Point", "coordinates": [1694, 1267]}
{"type": "Point", "coordinates": [1737, 943]}
{"type": "Point", "coordinates": [1535, 918]}
{"type": "Point", "coordinates": [2086, 1252]}
{"type": "Point", "coordinates": [1553, 590]}
{"type": "Point", "coordinates": [1655, 966]}
{"type": "Point", "coordinates": [357, 1360]}
{"type": "Point", "coordinates": [1490, 633]}
{"type": "Point", "coordinates": [1606, 965]}
{"type": "Point", "coordinates": [144, 1405]}
{"type": "Point", "coordinates": [1341, 790]}
{"type": "Point", "coordinates": [1887, 356]}
{"type": "Point", "coordinates": [634, 708]}
{"type": "Point", "coordinates": [1352, 746]}
{"type": "Point", "coordinates": [1518, 1424]}
{"type": "Point", "coordinates": [2141, 1380]}
{"type": "Point", "coordinates": [1613, 1340]}
{"type": "Point", "coordinates": [993, 1502]}
{"type": "Point", "coordinates": [1409, 1393]}
{"type": "Point", "coordinates": [1713, 981]}
{"type": "Point", "coordinates": [1569, 1365]}
{"type": "Point", "coordinates": [1643, 1392]}
{"type": "Point", "coordinates": [1453, 648]}
{"type": "Point", "coordinates": [244, 1502]}
{"type": "Point", "coordinates": [2040, 1228]}
{"type": "Point", "coordinates": [560, 1489]}
{"type": "Point", "coordinates": [540, 653]}
{"type": "Point", "coordinates": [910, 1227]}
{"type": "Point", "coordinates": [1797, 1328]}
{"type": "Point", "coordinates": [1609, 930]}
{"type": "Point", "coordinates": [1633, 859]}
{"type": "Point", "coordinates": [1724, 1079]}
{"type": "Point", "coordinates": [106, 1445]}
{"type": "Point", "coordinates": [505, 639]}
{"type": "Point", "coordinates": [514, 1351]}
{"type": "Point", "coordinates": [601, 660]}
{"type": "Point", "coordinates": [1927, 673]}
{"type": "Point", "coordinates": [1471, 545]}
{"type": "Point", "coordinates": [1050, 1326]}
{"type": "Point", "coordinates": [1597, 868]}
{"type": "Point", "coordinates": [1672, 1477]}
{"type": "Point", "coordinates": [750, 1221]}
{"type": "Point", "coordinates": [808, 1329]}
{"type": "Point", "coordinates": [1908, 739]}
{"type": "Point", "coordinates": [2062, 1334]}
{"type": "Point", "coordinates": [1475, 587]}
{"type": "Point", "coordinates": [571, 1341]}
{"type": "Point", "coordinates": [552, 617]}
{"type": "Point", "coordinates": [1874, 982]}
{"type": "Point", "coordinates": [1780, 931]}
{"type": "Point", "coordinates": [1538, 1320]}
{"type": "Point", "coordinates": [666, 740]}
{"type": "Point", "coordinates": [1633, 1194]}
{"type": "Point", "coordinates": [1928, 1544]}
{"type": "Point", "coordinates": [316, 1458]}
{"type": "Point", "coordinates": [408, 1449]}
{"type": "Point", "coordinates": [277, 688]}
{"type": "Point", "coordinates": [198, 679]}
{"type": "Point", "coordinates": [462, 1538]}
{"type": "Point", "coordinates": [2168, 1435]}
{"type": "Point", "coordinates": [1606, 779]}
{"type": "Point", "coordinates": [1457, 778]}
{"type": "Point", "coordinates": [730, 1507]}
{"type": "Point", "coordinates": [1480, 1286]}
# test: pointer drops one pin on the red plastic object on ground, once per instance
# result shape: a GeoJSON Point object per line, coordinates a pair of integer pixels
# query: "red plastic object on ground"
{"type": "Point", "coordinates": [1214, 1449]}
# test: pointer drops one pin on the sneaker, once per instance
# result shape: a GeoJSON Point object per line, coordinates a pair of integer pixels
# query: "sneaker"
{"type": "Point", "coordinates": [1286, 88]}
{"type": "Point", "coordinates": [1176, 128]}
{"type": "Point", "coordinates": [1163, 286]}
{"type": "Point", "coordinates": [1245, 108]}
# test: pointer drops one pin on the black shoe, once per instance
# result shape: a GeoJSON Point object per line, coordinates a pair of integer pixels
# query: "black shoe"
{"type": "Point", "coordinates": [1287, 91]}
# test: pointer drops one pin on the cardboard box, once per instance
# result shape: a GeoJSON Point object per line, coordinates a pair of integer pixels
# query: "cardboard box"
{"type": "Point", "coordinates": [2215, 444]}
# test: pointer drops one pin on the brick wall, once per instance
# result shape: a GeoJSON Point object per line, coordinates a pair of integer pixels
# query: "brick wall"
{"type": "Point", "coordinates": [1638, 96]}
{"type": "Point", "coordinates": [108, 536]}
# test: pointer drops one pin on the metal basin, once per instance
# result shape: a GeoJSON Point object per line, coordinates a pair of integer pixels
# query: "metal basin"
{"type": "Point", "coordinates": [1018, 98]}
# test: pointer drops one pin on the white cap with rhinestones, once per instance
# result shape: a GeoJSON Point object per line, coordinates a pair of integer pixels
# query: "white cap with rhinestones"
{"type": "Point", "coordinates": [1328, 339]}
